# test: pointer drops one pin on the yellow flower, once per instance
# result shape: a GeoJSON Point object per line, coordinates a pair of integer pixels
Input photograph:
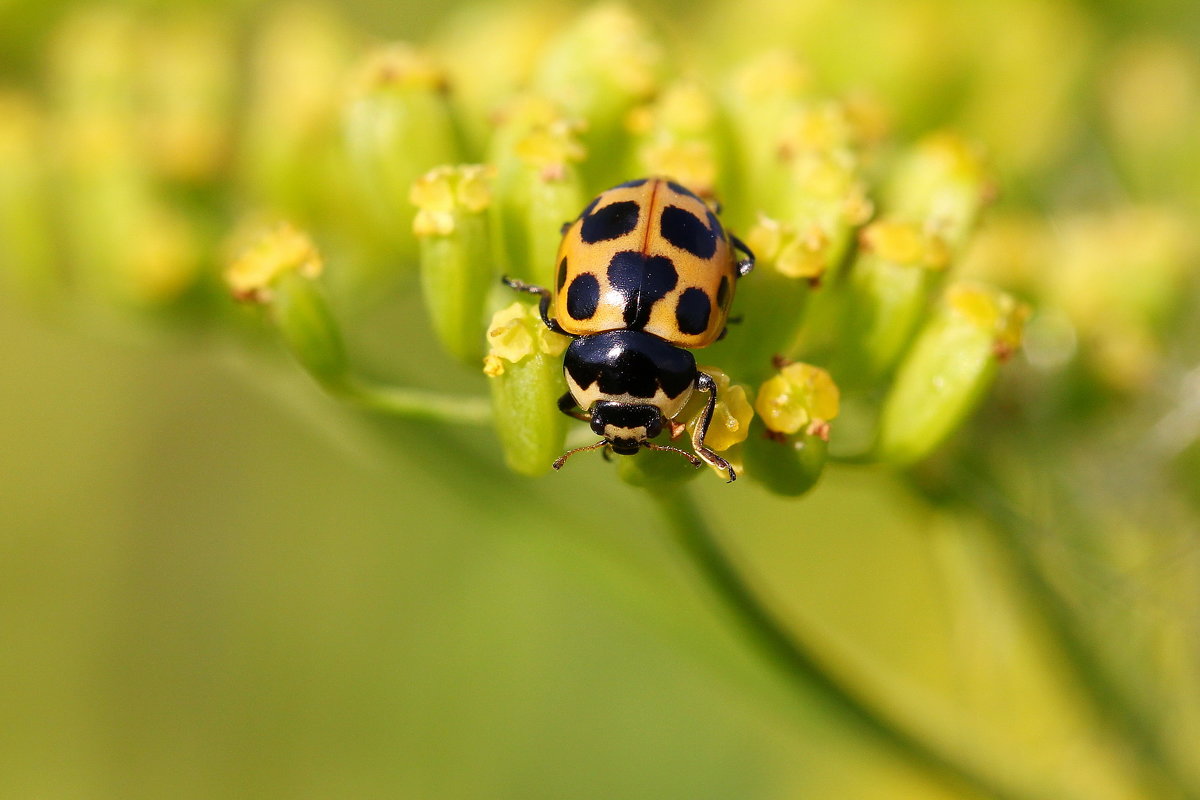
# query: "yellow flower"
{"type": "Point", "coordinates": [516, 332]}
{"type": "Point", "coordinates": [274, 253]}
{"type": "Point", "coordinates": [800, 396]}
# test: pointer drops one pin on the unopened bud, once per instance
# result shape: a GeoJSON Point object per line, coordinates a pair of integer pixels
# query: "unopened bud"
{"type": "Point", "coordinates": [279, 270]}
{"type": "Point", "coordinates": [951, 364]}
{"type": "Point", "coordinates": [457, 263]}
{"type": "Point", "coordinates": [524, 365]}
{"type": "Point", "coordinates": [397, 126]}
{"type": "Point", "coordinates": [537, 186]}
{"type": "Point", "coordinates": [787, 453]}
{"type": "Point", "coordinates": [598, 69]}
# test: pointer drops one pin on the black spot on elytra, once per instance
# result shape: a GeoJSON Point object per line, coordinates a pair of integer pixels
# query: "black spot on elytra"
{"type": "Point", "coordinates": [610, 222]}
{"type": "Point", "coordinates": [693, 311]}
{"type": "Point", "coordinates": [583, 296]}
{"type": "Point", "coordinates": [588, 209]}
{"type": "Point", "coordinates": [629, 362]}
{"type": "Point", "coordinates": [687, 232]}
{"type": "Point", "coordinates": [562, 273]}
{"type": "Point", "coordinates": [722, 291]}
{"type": "Point", "coordinates": [715, 225]}
{"type": "Point", "coordinates": [683, 190]}
{"type": "Point", "coordinates": [642, 281]}
{"type": "Point", "coordinates": [630, 184]}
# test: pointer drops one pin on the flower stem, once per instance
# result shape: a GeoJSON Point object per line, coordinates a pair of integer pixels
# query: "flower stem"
{"type": "Point", "coordinates": [416, 404]}
{"type": "Point", "coordinates": [805, 669]}
{"type": "Point", "coordinates": [1159, 770]}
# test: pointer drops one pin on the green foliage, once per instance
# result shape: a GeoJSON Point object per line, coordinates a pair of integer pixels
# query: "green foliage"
{"type": "Point", "coordinates": [973, 318]}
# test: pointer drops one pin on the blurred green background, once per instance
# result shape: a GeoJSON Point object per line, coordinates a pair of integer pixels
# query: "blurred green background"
{"type": "Point", "coordinates": [214, 582]}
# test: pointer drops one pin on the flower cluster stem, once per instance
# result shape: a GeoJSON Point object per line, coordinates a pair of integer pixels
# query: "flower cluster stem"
{"type": "Point", "coordinates": [1157, 766]}
{"type": "Point", "coordinates": [801, 663]}
{"type": "Point", "coordinates": [415, 404]}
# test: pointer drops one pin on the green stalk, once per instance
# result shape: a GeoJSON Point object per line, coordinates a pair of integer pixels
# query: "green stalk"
{"type": "Point", "coordinates": [1159, 770]}
{"type": "Point", "coordinates": [415, 404]}
{"type": "Point", "coordinates": [802, 665]}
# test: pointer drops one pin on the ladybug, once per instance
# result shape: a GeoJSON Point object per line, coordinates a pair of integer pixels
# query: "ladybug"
{"type": "Point", "coordinates": [644, 273]}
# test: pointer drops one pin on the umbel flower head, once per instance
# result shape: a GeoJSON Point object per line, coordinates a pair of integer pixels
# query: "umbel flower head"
{"type": "Point", "coordinates": [854, 249]}
{"type": "Point", "coordinates": [403, 157]}
{"type": "Point", "coordinates": [855, 243]}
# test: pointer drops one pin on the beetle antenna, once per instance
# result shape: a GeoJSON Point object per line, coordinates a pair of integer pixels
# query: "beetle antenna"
{"type": "Point", "coordinates": [558, 462]}
{"type": "Point", "coordinates": [651, 446]}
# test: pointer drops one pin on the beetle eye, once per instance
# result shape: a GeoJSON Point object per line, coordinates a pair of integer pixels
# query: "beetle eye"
{"type": "Point", "coordinates": [654, 427]}
{"type": "Point", "coordinates": [597, 424]}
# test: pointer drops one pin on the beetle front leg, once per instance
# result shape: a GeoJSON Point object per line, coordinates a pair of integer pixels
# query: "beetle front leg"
{"type": "Point", "coordinates": [543, 304]}
{"type": "Point", "coordinates": [705, 383]}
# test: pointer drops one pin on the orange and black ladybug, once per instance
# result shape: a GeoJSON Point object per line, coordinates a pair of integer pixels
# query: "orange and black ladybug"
{"type": "Point", "coordinates": [645, 271]}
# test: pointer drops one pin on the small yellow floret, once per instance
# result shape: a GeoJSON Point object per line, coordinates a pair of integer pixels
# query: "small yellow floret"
{"type": "Point", "coordinates": [517, 331]}
{"type": "Point", "coordinates": [551, 147]}
{"type": "Point", "coordinates": [793, 252]}
{"type": "Point", "coordinates": [905, 243]}
{"type": "Point", "coordinates": [800, 396]}
{"type": "Point", "coordinates": [493, 366]}
{"type": "Point", "coordinates": [992, 310]}
{"type": "Point", "coordinates": [399, 66]}
{"type": "Point", "coordinates": [772, 75]}
{"type": "Point", "coordinates": [272, 254]}
{"type": "Point", "coordinates": [445, 191]}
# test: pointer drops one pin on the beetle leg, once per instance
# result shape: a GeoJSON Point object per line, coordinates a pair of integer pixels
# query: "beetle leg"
{"type": "Point", "coordinates": [705, 383]}
{"type": "Point", "coordinates": [746, 264]}
{"type": "Point", "coordinates": [567, 405]}
{"type": "Point", "coordinates": [543, 305]}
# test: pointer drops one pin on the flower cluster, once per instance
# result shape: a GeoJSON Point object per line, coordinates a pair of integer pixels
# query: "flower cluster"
{"type": "Point", "coordinates": [411, 158]}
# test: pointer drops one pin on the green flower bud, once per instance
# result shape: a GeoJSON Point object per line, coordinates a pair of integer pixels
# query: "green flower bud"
{"type": "Point", "coordinates": [288, 156]}
{"type": "Point", "coordinates": [279, 270]}
{"type": "Point", "coordinates": [186, 96]}
{"type": "Point", "coordinates": [309, 330]}
{"type": "Point", "coordinates": [397, 127]}
{"type": "Point", "coordinates": [124, 243]}
{"type": "Point", "coordinates": [932, 202]}
{"type": "Point", "coordinates": [948, 369]}
{"type": "Point", "coordinates": [457, 269]}
{"type": "Point", "coordinates": [759, 97]}
{"type": "Point", "coordinates": [788, 450]}
{"type": "Point", "coordinates": [942, 185]}
{"type": "Point", "coordinates": [537, 186]}
{"type": "Point", "coordinates": [771, 301]}
{"type": "Point", "coordinates": [899, 266]}
{"type": "Point", "coordinates": [789, 466]}
{"type": "Point", "coordinates": [524, 364]}
{"type": "Point", "coordinates": [826, 202]}
{"type": "Point", "coordinates": [93, 62]}
{"type": "Point", "coordinates": [599, 69]}
{"type": "Point", "coordinates": [489, 51]}
{"type": "Point", "coordinates": [680, 135]}
{"type": "Point", "coordinates": [27, 252]}
{"type": "Point", "coordinates": [1120, 277]}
